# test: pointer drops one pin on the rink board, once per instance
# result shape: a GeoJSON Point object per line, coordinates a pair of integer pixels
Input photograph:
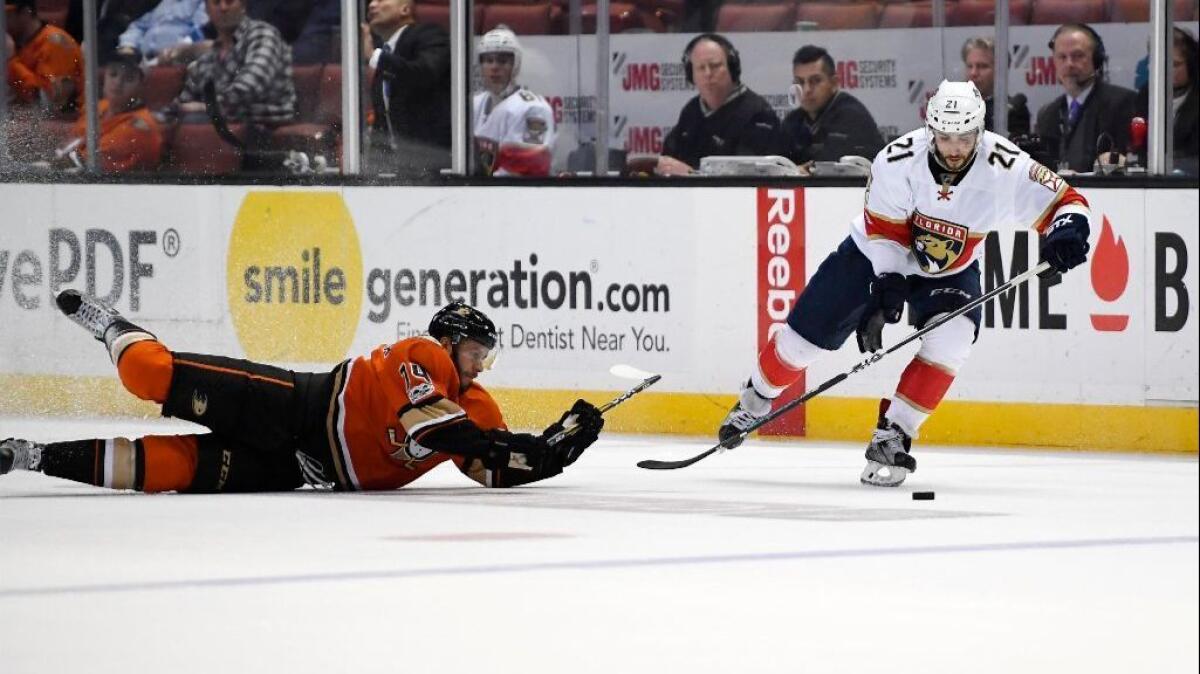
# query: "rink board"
{"type": "Point", "coordinates": [671, 280]}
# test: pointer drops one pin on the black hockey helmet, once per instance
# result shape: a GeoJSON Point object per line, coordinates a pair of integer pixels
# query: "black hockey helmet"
{"type": "Point", "coordinates": [459, 319]}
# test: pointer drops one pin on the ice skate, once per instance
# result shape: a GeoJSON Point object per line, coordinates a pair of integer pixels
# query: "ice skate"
{"type": "Point", "coordinates": [749, 408]}
{"type": "Point", "coordinates": [101, 320]}
{"type": "Point", "coordinates": [16, 454]}
{"type": "Point", "coordinates": [888, 460]}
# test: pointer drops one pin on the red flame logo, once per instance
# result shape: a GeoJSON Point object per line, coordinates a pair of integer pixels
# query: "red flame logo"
{"type": "Point", "coordinates": [1110, 276]}
{"type": "Point", "coordinates": [1110, 265]}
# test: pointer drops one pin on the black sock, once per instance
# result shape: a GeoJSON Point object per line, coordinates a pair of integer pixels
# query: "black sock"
{"type": "Point", "coordinates": [118, 463]}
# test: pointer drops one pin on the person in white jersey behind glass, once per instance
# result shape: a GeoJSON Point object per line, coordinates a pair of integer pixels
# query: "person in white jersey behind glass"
{"type": "Point", "coordinates": [513, 127]}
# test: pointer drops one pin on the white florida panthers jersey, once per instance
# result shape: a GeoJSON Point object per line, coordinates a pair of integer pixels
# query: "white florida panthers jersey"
{"type": "Point", "coordinates": [916, 221]}
{"type": "Point", "coordinates": [514, 136]}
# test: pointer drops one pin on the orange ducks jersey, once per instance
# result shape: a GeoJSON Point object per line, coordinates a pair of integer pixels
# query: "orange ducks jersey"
{"type": "Point", "coordinates": [394, 406]}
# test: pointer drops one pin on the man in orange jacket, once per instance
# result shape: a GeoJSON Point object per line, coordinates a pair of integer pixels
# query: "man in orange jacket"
{"type": "Point", "coordinates": [45, 61]}
{"type": "Point", "coordinates": [130, 138]}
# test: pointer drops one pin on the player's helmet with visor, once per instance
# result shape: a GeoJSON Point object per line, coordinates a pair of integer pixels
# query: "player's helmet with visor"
{"type": "Point", "coordinates": [501, 40]}
{"type": "Point", "coordinates": [459, 320]}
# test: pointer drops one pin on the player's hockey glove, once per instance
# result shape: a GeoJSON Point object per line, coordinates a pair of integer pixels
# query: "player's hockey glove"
{"type": "Point", "coordinates": [886, 305]}
{"type": "Point", "coordinates": [518, 451]}
{"type": "Point", "coordinates": [587, 421]}
{"type": "Point", "coordinates": [1065, 242]}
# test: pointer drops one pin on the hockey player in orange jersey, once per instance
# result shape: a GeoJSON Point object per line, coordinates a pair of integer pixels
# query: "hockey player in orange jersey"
{"type": "Point", "coordinates": [375, 422]}
{"type": "Point", "coordinates": [47, 62]}
{"type": "Point", "coordinates": [130, 138]}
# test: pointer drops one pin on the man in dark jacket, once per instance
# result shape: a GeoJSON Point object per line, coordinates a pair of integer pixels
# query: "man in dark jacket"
{"type": "Point", "coordinates": [1185, 104]}
{"type": "Point", "coordinates": [725, 118]}
{"type": "Point", "coordinates": [829, 123]}
{"type": "Point", "coordinates": [979, 59]}
{"type": "Point", "coordinates": [410, 92]}
{"type": "Point", "coordinates": [1092, 116]}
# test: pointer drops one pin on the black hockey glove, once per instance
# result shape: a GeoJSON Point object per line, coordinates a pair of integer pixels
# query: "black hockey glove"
{"type": "Point", "coordinates": [886, 305]}
{"type": "Point", "coordinates": [1065, 242]}
{"type": "Point", "coordinates": [588, 420]}
{"type": "Point", "coordinates": [519, 451]}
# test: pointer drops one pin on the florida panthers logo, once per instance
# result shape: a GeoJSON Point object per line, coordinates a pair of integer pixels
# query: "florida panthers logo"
{"type": "Point", "coordinates": [937, 244]}
{"type": "Point", "coordinates": [487, 150]}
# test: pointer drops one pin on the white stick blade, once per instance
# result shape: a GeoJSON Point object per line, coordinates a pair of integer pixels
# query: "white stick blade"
{"type": "Point", "coordinates": [629, 372]}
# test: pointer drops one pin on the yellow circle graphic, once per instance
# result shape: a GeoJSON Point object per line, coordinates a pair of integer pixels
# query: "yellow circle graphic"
{"type": "Point", "coordinates": [294, 277]}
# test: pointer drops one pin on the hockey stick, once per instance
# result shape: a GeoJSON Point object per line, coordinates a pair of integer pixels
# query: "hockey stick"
{"type": "Point", "coordinates": [625, 370]}
{"type": "Point", "coordinates": [653, 464]}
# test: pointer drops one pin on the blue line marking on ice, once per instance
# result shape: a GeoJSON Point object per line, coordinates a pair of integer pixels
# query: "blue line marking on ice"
{"type": "Point", "coordinates": [582, 565]}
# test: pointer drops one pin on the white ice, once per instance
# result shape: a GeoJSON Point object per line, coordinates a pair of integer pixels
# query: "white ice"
{"type": "Point", "coordinates": [771, 558]}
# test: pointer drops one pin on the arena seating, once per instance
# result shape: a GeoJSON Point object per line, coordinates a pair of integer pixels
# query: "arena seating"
{"type": "Point", "coordinates": [198, 149]}
{"type": "Point", "coordinates": [1136, 11]}
{"type": "Point", "coordinates": [983, 13]}
{"type": "Point", "coordinates": [163, 84]}
{"type": "Point", "coordinates": [747, 17]}
{"type": "Point", "coordinates": [911, 14]}
{"type": "Point", "coordinates": [550, 17]}
{"type": "Point", "coordinates": [833, 15]}
{"type": "Point", "coordinates": [523, 19]}
{"type": "Point", "coordinates": [309, 133]}
{"type": "Point", "coordinates": [1069, 11]}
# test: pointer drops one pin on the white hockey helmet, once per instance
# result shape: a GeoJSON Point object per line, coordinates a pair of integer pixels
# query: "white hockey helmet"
{"type": "Point", "coordinates": [502, 40]}
{"type": "Point", "coordinates": [956, 108]}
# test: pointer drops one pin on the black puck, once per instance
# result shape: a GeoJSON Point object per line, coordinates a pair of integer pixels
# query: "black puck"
{"type": "Point", "coordinates": [922, 496]}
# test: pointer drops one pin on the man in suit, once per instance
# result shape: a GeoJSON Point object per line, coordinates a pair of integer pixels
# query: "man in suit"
{"type": "Point", "coordinates": [1092, 116]}
{"type": "Point", "coordinates": [1185, 104]}
{"type": "Point", "coordinates": [410, 90]}
{"type": "Point", "coordinates": [979, 59]}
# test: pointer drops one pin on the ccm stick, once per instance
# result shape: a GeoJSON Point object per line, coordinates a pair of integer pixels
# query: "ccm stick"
{"type": "Point", "coordinates": [624, 371]}
{"type": "Point", "coordinates": [1013, 282]}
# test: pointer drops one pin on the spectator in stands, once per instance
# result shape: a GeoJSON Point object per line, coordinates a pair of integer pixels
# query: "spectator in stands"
{"type": "Point", "coordinates": [1185, 134]}
{"type": "Point", "coordinates": [130, 138]}
{"type": "Point", "coordinates": [979, 57]}
{"type": "Point", "coordinates": [725, 117]}
{"type": "Point", "coordinates": [114, 18]}
{"type": "Point", "coordinates": [167, 31]}
{"type": "Point", "coordinates": [514, 127]}
{"type": "Point", "coordinates": [410, 91]}
{"type": "Point", "coordinates": [320, 37]}
{"type": "Point", "coordinates": [45, 65]}
{"type": "Point", "coordinates": [249, 69]}
{"type": "Point", "coordinates": [828, 122]}
{"type": "Point", "coordinates": [1092, 116]}
{"type": "Point", "coordinates": [286, 15]}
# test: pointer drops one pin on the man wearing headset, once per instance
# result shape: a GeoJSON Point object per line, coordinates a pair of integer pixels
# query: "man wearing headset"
{"type": "Point", "coordinates": [725, 117]}
{"type": "Point", "coordinates": [1092, 116]}
{"type": "Point", "coordinates": [933, 195]}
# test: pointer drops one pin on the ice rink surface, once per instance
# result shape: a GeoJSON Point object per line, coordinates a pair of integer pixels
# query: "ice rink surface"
{"type": "Point", "coordinates": [771, 558]}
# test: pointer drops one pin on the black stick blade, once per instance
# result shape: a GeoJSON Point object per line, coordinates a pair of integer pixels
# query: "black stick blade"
{"type": "Point", "coordinates": [653, 464]}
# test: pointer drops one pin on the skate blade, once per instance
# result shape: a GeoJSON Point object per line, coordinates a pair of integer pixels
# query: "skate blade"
{"type": "Point", "coordinates": [881, 475]}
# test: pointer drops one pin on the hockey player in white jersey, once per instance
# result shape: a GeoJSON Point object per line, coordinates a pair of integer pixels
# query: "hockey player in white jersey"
{"type": "Point", "coordinates": [933, 196]}
{"type": "Point", "coordinates": [514, 127]}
